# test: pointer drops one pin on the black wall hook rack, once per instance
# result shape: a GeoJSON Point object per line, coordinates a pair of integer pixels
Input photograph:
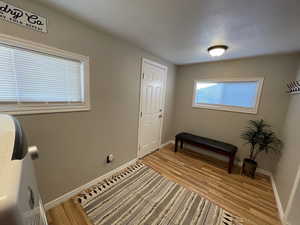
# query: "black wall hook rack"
{"type": "Point", "coordinates": [293, 87]}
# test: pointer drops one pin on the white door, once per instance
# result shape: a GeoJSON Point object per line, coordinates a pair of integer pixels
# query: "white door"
{"type": "Point", "coordinates": [151, 106]}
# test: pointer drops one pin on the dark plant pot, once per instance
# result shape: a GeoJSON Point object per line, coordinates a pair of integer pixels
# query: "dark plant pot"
{"type": "Point", "coordinates": [249, 168]}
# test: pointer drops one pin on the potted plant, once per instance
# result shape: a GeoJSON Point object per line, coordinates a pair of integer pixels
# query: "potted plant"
{"type": "Point", "coordinates": [261, 138]}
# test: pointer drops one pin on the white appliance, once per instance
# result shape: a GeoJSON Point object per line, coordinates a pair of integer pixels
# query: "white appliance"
{"type": "Point", "coordinates": [20, 202]}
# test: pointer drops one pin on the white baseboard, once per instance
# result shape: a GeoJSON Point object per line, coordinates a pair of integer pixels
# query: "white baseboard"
{"type": "Point", "coordinates": [76, 191]}
{"type": "Point", "coordinates": [278, 202]}
{"type": "Point", "coordinates": [165, 144]}
{"type": "Point", "coordinates": [265, 172]}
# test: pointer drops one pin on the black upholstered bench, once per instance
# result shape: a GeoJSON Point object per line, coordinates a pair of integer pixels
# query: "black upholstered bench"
{"type": "Point", "coordinates": [208, 144]}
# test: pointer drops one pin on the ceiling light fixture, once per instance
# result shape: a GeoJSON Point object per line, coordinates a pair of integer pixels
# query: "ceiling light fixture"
{"type": "Point", "coordinates": [217, 50]}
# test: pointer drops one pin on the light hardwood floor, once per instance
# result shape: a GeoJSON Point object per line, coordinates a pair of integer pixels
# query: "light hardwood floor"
{"type": "Point", "coordinates": [253, 200]}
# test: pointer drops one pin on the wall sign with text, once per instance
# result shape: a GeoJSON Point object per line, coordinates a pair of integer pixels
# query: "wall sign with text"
{"type": "Point", "coordinates": [22, 17]}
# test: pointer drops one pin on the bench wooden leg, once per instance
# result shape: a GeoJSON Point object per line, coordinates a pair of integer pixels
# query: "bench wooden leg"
{"type": "Point", "coordinates": [231, 162]}
{"type": "Point", "coordinates": [181, 144]}
{"type": "Point", "coordinates": [176, 143]}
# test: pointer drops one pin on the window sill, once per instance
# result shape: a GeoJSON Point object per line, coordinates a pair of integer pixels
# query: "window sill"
{"type": "Point", "coordinates": [227, 108]}
{"type": "Point", "coordinates": [44, 110]}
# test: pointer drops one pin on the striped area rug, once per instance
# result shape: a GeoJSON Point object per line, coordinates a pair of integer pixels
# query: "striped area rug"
{"type": "Point", "coordinates": [139, 195]}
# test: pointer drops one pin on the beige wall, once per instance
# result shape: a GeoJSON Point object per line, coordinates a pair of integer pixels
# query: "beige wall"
{"type": "Point", "coordinates": [74, 145]}
{"type": "Point", "coordinates": [288, 164]}
{"type": "Point", "coordinates": [227, 126]}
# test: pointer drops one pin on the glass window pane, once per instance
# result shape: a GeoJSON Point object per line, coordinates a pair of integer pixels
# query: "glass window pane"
{"type": "Point", "coordinates": [239, 94]}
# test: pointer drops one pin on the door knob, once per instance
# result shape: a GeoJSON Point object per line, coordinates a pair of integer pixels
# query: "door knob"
{"type": "Point", "coordinates": [160, 116]}
{"type": "Point", "coordinates": [34, 152]}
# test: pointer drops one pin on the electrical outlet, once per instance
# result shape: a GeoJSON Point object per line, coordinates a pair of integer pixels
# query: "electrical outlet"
{"type": "Point", "coordinates": [109, 158]}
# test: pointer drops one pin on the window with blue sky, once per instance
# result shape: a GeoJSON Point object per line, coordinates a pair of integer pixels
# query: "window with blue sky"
{"type": "Point", "coordinates": [233, 94]}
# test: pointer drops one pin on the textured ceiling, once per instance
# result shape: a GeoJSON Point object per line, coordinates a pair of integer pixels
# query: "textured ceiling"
{"type": "Point", "coordinates": [181, 30]}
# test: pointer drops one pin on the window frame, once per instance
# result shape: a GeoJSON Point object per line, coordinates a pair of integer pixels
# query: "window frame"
{"type": "Point", "coordinates": [239, 109]}
{"type": "Point", "coordinates": [38, 108]}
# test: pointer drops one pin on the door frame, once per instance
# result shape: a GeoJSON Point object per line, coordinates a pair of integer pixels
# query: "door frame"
{"type": "Point", "coordinates": [143, 61]}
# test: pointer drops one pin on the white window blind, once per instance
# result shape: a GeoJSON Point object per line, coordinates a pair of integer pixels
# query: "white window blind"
{"type": "Point", "coordinates": [35, 78]}
{"type": "Point", "coordinates": [29, 77]}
